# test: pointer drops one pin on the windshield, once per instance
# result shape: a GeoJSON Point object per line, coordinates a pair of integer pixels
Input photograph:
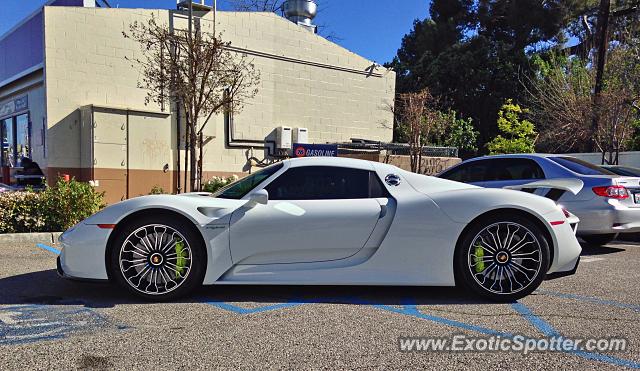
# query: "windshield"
{"type": "Point", "coordinates": [239, 189]}
{"type": "Point", "coordinates": [580, 167]}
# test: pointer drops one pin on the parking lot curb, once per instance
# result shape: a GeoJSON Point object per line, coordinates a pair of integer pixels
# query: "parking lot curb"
{"type": "Point", "coordinates": [41, 237]}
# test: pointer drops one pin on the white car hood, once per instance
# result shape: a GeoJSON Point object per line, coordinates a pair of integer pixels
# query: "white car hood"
{"type": "Point", "coordinates": [201, 208]}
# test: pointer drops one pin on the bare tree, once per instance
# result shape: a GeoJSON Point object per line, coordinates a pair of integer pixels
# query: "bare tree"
{"type": "Point", "coordinates": [416, 116]}
{"type": "Point", "coordinates": [562, 105]}
{"type": "Point", "coordinates": [276, 6]}
{"type": "Point", "coordinates": [195, 71]}
{"type": "Point", "coordinates": [256, 5]}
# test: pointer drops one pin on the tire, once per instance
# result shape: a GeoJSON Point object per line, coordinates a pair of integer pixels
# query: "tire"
{"type": "Point", "coordinates": [158, 257]}
{"type": "Point", "coordinates": [502, 269]}
{"type": "Point", "coordinates": [598, 239]}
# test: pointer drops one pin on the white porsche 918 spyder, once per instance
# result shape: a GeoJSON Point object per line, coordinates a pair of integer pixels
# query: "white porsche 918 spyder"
{"type": "Point", "coordinates": [327, 221]}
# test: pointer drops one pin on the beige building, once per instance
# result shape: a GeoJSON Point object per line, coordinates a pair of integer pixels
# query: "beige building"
{"type": "Point", "coordinates": [69, 98]}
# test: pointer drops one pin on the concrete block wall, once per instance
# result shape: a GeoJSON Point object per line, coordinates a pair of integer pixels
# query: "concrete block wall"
{"type": "Point", "coordinates": [630, 158]}
{"type": "Point", "coordinates": [430, 165]}
{"type": "Point", "coordinates": [306, 81]}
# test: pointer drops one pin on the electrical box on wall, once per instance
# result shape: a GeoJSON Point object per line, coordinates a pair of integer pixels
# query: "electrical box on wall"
{"type": "Point", "coordinates": [283, 137]}
{"type": "Point", "coordinates": [301, 135]}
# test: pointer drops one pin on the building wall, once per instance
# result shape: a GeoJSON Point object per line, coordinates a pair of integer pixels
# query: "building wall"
{"type": "Point", "coordinates": [306, 81]}
{"type": "Point", "coordinates": [33, 87]}
{"type": "Point", "coordinates": [21, 48]}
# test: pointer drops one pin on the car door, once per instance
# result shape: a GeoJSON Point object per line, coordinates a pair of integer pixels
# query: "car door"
{"type": "Point", "coordinates": [314, 213]}
{"type": "Point", "coordinates": [508, 171]}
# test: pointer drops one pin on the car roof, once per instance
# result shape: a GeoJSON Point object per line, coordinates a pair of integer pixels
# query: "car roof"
{"type": "Point", "coordinates": [330, 161]}
{"type": "Point", "coordinates": [531, 156]}
{"type": "Point", "coordinates": [523, 155]}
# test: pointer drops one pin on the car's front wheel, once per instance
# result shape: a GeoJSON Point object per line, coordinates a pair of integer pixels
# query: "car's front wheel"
{"type": "Point", "coordinates": [503, 258]}
{"type": "Point", "coordinates": [158, 257]}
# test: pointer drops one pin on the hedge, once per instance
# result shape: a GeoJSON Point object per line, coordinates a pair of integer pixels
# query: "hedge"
{"type": "Point", "coordinates": [54, 209]}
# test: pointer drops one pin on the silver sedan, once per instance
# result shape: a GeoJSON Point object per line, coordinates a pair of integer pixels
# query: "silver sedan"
{"type": "Point", "coordinates": [607, 205]}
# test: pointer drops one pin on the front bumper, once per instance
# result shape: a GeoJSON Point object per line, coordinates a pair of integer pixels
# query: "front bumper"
{"type": "Point", "coordinates": [62, 274]}
{"type": "Point", "coordinates": [83, 252]}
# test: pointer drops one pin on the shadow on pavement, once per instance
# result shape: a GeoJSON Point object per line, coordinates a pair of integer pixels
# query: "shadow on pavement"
{"type": "Point", "coordinates": [45, 287]}
{"type": "Point", "coordinates": [590, 250]}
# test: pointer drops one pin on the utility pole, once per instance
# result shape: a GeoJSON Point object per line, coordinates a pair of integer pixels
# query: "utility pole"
{"type": "Point", "coordinates": [187, 134]}
{"type": "Point", "coordinates": [602, 43]}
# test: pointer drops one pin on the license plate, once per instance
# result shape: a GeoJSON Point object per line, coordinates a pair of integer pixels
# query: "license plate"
{"type": "Point", "coordinates": [636, 198]}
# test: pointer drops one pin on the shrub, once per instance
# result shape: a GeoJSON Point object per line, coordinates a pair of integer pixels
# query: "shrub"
{"type": "Point", "coordinates": [157, 190]}
{"type": "Point", "coordinates": [67, 203]}
{"type": "Point", "coordinates": [54, 209]}
{"type": "Point", "coordinates": [21, 212]}
{"type": "Point", "coordinates": [217, 182]}
{"type": "Point", "coordinates": [519, 134]}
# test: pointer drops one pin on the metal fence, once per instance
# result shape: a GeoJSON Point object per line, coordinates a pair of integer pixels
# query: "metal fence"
{"type": "Point", "coordinates": [394, 149]}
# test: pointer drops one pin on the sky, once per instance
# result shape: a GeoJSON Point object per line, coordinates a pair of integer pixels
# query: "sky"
{"type": "Point", "coordinates": [370, 28]}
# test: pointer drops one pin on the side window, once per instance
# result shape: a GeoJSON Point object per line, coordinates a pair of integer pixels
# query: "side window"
{"type": "Point", "coordinates": [320, 183]}
{"type": "Point", "coordinates": [239, 189]}
{"type": "Point", "coordinates": [376, 188]}
{"type": "Point", "coordinates": [528, 169]}
{"type": "Point", "coordinates": [514, 169]}
{"type": "Point", "coordinates": [474, 171]}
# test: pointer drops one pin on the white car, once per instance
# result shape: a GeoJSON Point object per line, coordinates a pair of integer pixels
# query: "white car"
{"type": "Point", "coordinates": [327, 221]}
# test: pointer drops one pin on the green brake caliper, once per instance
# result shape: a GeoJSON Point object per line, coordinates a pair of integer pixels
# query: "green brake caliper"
{"type": "Point", "coordinates": [477, 257]}
{"type": "Point", "coordinates": [181, 261]}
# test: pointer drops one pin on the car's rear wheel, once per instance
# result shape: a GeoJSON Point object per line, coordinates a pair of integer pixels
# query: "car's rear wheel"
{"type": "Point", "coordinates": [598, 239]}
{"type": "Point", "coordinates": [503, 258]}
{"type": "Point", "coordinates": [158, 258]}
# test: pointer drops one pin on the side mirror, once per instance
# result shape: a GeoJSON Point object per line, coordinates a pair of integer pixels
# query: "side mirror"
{"type": "Point", "coordinates": [258, 197]}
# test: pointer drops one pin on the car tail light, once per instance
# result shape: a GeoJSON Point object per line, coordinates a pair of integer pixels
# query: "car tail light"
{"type": "Point", "coordinates": [106, 226]}
{"type": "Point", "coordinates": [617, 191]}
{"type": "Point", "coordinates": [566, 213]}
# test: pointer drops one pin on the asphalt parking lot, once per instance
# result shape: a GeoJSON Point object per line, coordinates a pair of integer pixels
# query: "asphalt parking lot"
{"type": "Point", "coordinates": [50, 323]}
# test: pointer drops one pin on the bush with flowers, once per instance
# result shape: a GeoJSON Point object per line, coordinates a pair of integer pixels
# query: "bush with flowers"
{"type": "Point", "coordinates": [55, 208]}
{"type": "Point", "coordinates": [217, 182]}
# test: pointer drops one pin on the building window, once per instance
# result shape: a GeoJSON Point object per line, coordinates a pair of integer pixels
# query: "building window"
{"type": "Point", "coordinates": [16, 140]}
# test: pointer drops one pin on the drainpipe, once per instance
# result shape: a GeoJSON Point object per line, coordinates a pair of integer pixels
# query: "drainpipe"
{"type": "Point", "coordinates": [178, 123]}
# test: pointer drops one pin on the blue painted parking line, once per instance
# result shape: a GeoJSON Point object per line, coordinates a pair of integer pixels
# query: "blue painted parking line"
{"type": "Point", "coordinates": [408, 308]}
{"type": "Point", "coordinates": [288, 304]}
{"type": "Point", "coordinates": [548, 330]}
{"type": "Point", "coordinates": [591, 299]}
{"type": "Point", "coordinates": [536, 321]}
{"type": "Point", "coordinates": [48, 248]}
{"type": "Point", "coordinates": [241, 310]}
{"type": "Point", "coordinates": [412, 310]}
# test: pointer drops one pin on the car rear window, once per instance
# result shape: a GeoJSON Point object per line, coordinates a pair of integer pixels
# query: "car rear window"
{"type": "Point", "coordinates": [580, 166]}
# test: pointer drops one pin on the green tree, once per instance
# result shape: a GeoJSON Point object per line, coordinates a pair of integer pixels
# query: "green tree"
{"type": "Point", "coordinates": [519, 134]}
{"type": "Point", "coordinates": [462, 135]}
{"type": "Point", "coordinates": [472, 54]}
